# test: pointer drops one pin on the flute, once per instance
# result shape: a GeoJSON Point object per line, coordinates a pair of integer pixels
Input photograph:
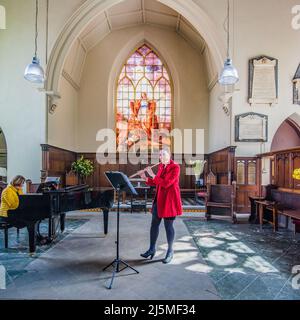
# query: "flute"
{"type": "Point", "coordinates": [138, 173]}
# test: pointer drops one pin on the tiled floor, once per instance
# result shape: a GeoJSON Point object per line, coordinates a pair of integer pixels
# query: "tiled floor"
{"type": "Point", "coordinates": [246, 263]}
{"type": "Point", "coordinates": [213, 260]}
{"type": "Point", "coordinates": [72, 269]}
{"type": "Point", "coordinates": [16, 258]}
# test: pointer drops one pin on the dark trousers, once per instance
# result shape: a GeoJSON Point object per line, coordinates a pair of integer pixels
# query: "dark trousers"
{"type": "Point", "coordinates": [154, 232]}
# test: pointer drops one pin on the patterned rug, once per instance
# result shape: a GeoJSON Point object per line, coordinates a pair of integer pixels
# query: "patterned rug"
{"type": "Point", "coordinates": [16, 258]}
{"type": "Point", "coordinates": [246, 263]}
{"type": "Point", "coordinates": [188, 205]}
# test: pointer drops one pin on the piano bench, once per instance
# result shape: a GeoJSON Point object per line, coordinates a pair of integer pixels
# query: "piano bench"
{"type": "Point", "coordinates": [5, 226]}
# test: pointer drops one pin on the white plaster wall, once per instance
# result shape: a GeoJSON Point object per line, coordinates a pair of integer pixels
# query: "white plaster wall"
{"type": "Point", "coordinates": [22, 113]}
{"type": "Point", "coordinates": [264, 28]}
{"type": "Point", "coordinates": [63, 124]}
{"type": "Point", "coordinates": [22, 106]}
{"type": "Point", "coordinates": [257, 28]}
{"type": "Point", "coordinates": [219, 122]}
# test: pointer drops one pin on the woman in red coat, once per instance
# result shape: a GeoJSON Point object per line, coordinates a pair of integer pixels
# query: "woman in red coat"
{"type": "Point", "coordinates": [167, 202]}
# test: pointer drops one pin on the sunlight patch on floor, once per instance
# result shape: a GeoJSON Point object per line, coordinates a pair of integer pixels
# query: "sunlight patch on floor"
{"type": "Point", "coordinates": [226, 235]}
{"type": "Point", "coordinates": [239, 247]}
{"type": "Point", "coordinates": [185, 257]}
{"type": "Point", "coordinates": [222, 258]}
{"type": "Point", "coordinates": [259, 264]}
{"type": "Point", "coordinates": [209, 242]}
{"type": "Point", "coordinates": [199, 268]}
{"type": "Point", "coordinates": [235, 270]}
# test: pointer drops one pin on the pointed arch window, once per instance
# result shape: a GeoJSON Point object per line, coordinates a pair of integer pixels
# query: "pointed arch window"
{"type": "Point", "coordinates": [144, 103]}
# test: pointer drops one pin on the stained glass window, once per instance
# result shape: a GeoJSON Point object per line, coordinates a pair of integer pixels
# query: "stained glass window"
{"type": "Point", "coordinates": [144, 103]}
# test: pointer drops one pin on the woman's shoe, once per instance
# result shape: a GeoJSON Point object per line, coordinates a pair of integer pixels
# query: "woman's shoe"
{"type": "Point", "coordinates": [168, 258]}
{"type": "Point", "coordinates": [149, 253]}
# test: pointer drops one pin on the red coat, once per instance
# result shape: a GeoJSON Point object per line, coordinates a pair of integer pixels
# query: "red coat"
{"type": "Point", "coordinates": [167, 190]}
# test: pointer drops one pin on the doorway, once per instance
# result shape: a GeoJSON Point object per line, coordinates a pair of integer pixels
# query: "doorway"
{"type": "Point", "coordinates": [248, 182]}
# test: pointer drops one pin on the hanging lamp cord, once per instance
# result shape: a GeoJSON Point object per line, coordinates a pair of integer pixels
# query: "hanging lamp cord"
{"type": "Point", "coordinates": [36, 26]}
{"type": "Point", "coordinates": [227, 28]}
{"type": "Point", "coordinates": [47, 31]}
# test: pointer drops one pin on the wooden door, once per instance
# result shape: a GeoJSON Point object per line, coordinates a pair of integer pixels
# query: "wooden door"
{"type": "Point", "coordinates": [248, 181]}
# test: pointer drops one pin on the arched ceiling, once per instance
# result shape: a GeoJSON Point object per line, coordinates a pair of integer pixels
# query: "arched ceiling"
{"type": "Point", "coordinates": [128, 14]}
{"type": "Point", "coordinates": [137, 12]}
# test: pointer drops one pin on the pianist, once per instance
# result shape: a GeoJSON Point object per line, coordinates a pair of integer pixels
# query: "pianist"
{"type": "Point", "coordinates": [10, 196]}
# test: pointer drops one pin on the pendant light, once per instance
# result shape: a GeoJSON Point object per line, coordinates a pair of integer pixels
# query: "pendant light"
{"type": "Point", "coordinates": [229, 75]}
{"type": "Point", "coordinates": [34, 72]}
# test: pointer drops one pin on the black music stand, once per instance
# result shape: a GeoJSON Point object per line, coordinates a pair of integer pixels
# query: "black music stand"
{"type": "Point", "coordinates": [120, 183]}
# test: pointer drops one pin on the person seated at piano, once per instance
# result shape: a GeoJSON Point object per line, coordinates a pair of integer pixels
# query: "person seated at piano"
{"type": "Point", "coordinates": [167, 203]}
{"type": "Point", "coordinates": [10, 196]}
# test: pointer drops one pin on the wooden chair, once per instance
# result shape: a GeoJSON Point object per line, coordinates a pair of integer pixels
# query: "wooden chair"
{"type": "Point", "coordinates": [211, 178]}
{"type": "Point", "coordinates": [220, 199]}
{"type": "Point", "coordinates": [31, 187]}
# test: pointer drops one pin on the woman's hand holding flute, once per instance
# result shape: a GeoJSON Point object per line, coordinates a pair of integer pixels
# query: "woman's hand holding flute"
{"type": "Point", "coordinates": [142, 173]}
{"type": "Point", "coordinates": [150, 172]}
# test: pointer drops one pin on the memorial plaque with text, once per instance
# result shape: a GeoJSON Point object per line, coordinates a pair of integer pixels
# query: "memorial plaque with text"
{"type": "Point", "coordinates": [251, 127]}
{"type": "Point", "coordinates": [263, 81]}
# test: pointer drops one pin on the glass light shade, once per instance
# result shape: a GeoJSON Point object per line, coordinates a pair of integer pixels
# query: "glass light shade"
{"type": "Point", "coordinates": [34, 72]}
{"type": "Point", "coordinates": [229, 74]}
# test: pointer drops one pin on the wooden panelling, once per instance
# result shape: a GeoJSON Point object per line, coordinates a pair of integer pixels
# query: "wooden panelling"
{"type": "Point", "coordinates": [221, 163]}
{"type": "Point", "coordinates": [283, 164]}
{"type": "Point", "coordinates": [57, 162]}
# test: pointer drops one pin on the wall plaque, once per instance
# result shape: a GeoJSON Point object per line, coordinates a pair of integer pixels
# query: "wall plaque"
{"type": "Point", "coordinates": [251, 127]}
{"type": "Point", "coordinates": [263, 80]}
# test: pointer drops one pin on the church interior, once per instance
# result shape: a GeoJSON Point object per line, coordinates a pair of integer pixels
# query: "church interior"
{"type": "Point", "coordinates": [114, 88]}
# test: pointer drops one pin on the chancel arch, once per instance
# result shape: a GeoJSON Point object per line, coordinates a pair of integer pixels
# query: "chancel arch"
{"type": "Point", "coordinates": [288, 134]}
{"type": "Point", "coordinates": [92, 10]}
{"type": "Point", "coordinates": [3, 157]}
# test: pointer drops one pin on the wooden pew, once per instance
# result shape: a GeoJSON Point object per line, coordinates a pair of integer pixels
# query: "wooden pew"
{"type": "Point", "coordinates": [221, 199]}
{"type": "Point", "coordinates": [280, 202]}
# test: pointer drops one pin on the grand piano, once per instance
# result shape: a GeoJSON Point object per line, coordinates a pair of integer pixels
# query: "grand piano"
{"type": "Point", "coordinates": [53, 205]}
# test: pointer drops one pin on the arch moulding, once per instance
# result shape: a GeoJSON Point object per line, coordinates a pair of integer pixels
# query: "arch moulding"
{"type": "Point", "coordinates": [92, 8]}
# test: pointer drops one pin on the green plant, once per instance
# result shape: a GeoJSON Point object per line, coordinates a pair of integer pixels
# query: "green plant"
{"type": "Point", "coordinates": [198, 167]}
{"type": "Point", "coordinates": [83, 167]}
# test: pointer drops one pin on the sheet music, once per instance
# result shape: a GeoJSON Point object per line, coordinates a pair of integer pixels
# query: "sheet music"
{"type": "Point", "coordinates": [119, 178]}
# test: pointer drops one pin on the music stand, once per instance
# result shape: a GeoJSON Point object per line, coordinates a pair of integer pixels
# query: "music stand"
{"type": "Point", "coordinates": [120, 183]}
